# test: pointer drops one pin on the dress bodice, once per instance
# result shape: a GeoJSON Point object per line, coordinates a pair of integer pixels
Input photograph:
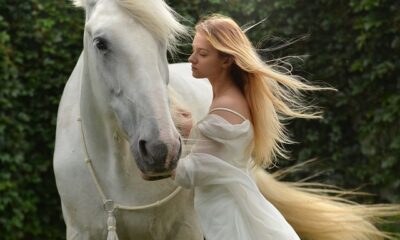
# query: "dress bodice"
{"type": "Point", "coordinates": [227, 200]}
{"type": "Point", "coordinates": [226, 141]}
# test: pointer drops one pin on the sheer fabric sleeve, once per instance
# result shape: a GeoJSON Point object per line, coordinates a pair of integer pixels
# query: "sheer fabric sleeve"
{"type": "Point", "coordinates": [205, 164]}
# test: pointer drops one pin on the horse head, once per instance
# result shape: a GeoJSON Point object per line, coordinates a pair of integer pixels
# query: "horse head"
{"type": "Point", "coordinates": [125, 45]}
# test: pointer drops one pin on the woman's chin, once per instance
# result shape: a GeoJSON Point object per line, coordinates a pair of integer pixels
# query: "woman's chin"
{"type": "Point", "coordinates": [196, 75]}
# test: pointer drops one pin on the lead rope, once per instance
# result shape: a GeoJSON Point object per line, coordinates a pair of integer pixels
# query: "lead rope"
{"type": "Point", "coordinates": [109, 206]}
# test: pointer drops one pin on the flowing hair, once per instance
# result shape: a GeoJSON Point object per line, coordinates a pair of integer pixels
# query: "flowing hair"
{"type": "Point", "coordinates": [274, 97]}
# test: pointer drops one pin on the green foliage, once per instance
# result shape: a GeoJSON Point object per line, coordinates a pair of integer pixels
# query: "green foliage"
{"type": "Point", "coordinates": [39, 44]}
{"type": "Point", "coordinates": [351, 45]}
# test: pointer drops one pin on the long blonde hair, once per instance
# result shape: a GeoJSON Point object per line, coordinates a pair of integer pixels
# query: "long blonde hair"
{"type": "Point", "coordinates": [273, 96]}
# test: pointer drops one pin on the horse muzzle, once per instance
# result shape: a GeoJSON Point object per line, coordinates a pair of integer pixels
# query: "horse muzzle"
{"type": "Point", "coordinates": [156, 160]}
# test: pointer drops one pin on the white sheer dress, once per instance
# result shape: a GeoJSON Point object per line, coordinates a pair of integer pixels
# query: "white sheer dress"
{"type": "Point", "coordinates": [227, 200]}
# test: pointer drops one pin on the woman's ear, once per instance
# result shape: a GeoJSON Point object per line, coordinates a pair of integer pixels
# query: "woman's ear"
{"type": "Point", "coordinates": [228, 60]}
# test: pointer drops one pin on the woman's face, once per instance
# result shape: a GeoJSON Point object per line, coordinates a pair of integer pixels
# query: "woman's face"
{"type": "Point", "coordinates": [205, 59]}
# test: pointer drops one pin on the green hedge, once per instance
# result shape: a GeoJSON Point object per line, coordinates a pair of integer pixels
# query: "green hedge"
{"type": "Point", "coordinates": [40, 42]}
{"type": "Point", "coordinates": [351, 45]}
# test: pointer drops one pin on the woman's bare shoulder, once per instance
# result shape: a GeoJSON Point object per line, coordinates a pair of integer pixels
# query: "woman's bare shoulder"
{"type": "Point", "coordinates": [232, 101]}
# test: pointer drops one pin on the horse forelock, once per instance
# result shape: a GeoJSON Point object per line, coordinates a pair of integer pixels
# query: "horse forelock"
{"type": "Point", "coordinates": [155, 15]}
{"type": "Point", "coordinates": [158, 18]}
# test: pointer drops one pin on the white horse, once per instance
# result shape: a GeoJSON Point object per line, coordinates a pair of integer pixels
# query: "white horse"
{"type": "Point", "coordinates": [114, 127]}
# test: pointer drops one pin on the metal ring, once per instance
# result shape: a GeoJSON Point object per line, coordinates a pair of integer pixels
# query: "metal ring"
{"type": "Point", "coordinates": [109, 205]}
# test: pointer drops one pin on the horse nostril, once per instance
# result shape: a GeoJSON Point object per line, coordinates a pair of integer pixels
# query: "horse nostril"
{"type": "Point", "coordinates": [157, 155]}
{"type": "Point", "coordinates": [142, 148]}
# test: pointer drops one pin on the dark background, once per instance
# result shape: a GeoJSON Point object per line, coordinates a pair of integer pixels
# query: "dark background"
{"type": "Point", "coordinates": [353, 46]}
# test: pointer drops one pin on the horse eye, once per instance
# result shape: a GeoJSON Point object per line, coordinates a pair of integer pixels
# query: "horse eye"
{"type": "Point", "coordinates": [101, 44]}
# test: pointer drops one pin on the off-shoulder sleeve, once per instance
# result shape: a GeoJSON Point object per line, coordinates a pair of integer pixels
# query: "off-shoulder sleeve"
{"type": "Point", "coordinates": [218, 129]}
{"type": "Point", "coordinates": [202, 166]}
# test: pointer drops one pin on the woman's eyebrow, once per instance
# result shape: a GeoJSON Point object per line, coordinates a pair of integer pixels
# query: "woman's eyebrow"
{"type": "Point", "coordinates": [204, 49]}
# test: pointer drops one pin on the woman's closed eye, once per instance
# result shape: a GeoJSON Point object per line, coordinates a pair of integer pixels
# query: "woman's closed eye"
{"type": "Point", "coordinates": [203, 53]}
{"type": "Point", "coordinates": [200, 52]}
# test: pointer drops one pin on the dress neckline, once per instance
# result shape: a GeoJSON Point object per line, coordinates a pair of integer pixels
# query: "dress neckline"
{"type": "Point", "coordinates": [228, 110]}
{"type": "Point", "coordinates": [245, 121]}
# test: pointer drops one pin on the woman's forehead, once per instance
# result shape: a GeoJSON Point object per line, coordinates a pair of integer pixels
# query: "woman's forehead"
{"type": "Point", "coordinates": [200, 41]}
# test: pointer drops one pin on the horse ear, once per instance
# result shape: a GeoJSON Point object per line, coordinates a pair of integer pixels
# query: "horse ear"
{"type": "Point", "coordinates": [79, 3]}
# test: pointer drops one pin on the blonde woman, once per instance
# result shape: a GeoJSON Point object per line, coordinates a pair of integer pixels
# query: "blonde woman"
{"type": "Point", "coordinates": [244, 131]}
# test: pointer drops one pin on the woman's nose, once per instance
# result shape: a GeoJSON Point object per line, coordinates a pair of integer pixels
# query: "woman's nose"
{"type": "Point", "coordinates": [191, 58]}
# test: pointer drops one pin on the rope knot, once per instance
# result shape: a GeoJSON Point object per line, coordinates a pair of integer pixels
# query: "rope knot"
{"type": "Point", "coordinates": [110, 208]}
{"type": "Point", "coordinates": [111, 222]}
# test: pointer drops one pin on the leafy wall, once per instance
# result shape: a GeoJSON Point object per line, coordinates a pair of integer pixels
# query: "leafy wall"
{"type": "Point", "coordinates": [352, 45]}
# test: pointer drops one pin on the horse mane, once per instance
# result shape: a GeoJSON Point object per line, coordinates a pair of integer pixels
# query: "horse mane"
{"type": "Point", "coordinates": [156, 16]}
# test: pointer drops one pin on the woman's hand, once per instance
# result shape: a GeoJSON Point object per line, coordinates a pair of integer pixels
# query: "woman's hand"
{"type": "Point", "coordinates": [186, 122]}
